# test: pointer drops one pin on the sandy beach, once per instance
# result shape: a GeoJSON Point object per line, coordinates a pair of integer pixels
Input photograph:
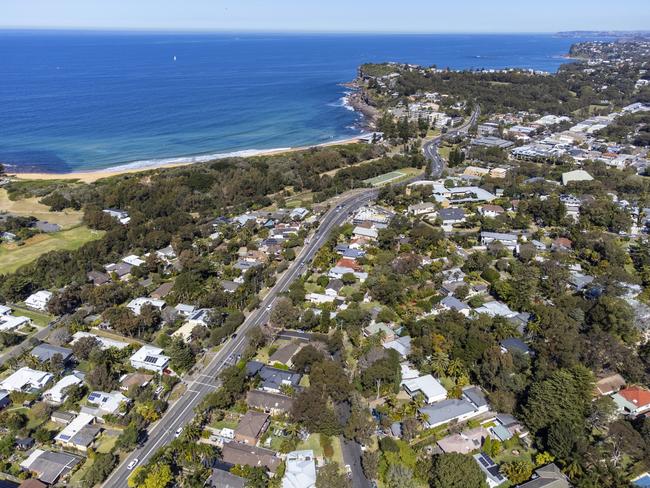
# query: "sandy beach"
{"type": "Point", "coordinates": [91, 176]}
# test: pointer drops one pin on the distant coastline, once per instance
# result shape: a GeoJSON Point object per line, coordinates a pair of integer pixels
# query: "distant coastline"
{"type": "Point", "coordinates": [91, 176]}
{"type": "Point", "coordinates": [189, 104]}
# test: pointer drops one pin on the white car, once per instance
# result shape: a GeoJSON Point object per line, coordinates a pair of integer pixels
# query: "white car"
{"type": "Point", "coordinates": [178, 432]}
{"type": "Point", "coordinates": [132, 464]}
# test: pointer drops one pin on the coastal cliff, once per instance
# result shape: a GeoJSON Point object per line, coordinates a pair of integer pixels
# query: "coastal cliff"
{"type": "Point", "coordinates": [360, 101]}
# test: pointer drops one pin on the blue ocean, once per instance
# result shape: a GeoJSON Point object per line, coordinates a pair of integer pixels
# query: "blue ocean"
{"type": "Point", "coordinates": [81, 101]}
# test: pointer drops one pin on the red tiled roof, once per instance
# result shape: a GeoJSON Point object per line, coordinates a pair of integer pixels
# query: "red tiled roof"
{"type": "Point", "coordinates": [638, 396]}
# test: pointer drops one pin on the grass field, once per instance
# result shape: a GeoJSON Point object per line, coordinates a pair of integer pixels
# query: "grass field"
{"type": "Point", "coordinates": [38, 318]}
{"type": "Point", "coordinates": [13, 257]}
{"type": "Point", "coordinates": [30, 207]}
{"type": "Point", "coordinates": [385, 178]}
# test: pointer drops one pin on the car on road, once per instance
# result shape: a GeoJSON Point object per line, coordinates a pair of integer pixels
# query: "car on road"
{"type": "Point", "coordinates": [268, 308]}
{"type": "Point", "coordinates": [132, 464]}
{"type": "Point", "coordinates": [178, 432]}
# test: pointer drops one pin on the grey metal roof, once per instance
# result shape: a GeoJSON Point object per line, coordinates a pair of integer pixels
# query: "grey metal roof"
{"type": "Point", "coordinates": [446, 410]}
{"type": "Point", "coordinates": [45, 352]}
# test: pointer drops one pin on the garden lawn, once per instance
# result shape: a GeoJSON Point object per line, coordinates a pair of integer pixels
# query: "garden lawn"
{"type": "Point", "coordinates": [13, 257]}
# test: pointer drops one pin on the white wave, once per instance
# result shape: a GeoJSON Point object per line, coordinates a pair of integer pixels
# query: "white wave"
{"type": "Point", "coordinates": [202, 158]}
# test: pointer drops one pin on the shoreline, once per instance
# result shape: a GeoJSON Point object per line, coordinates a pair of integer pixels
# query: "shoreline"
{"type": "Point", "coordinates": [92, 176]}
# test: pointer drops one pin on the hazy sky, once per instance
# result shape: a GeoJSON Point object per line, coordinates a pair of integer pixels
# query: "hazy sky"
{"type": "Point", "coordinates": [330, 15]}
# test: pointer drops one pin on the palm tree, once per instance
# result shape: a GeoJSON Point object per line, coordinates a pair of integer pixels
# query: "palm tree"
{"type": "Point", "coordinates": [439, 363]}
{"type": "Point", "coordinates": [455, 368]}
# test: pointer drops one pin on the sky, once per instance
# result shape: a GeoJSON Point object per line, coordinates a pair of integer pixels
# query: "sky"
{"type": "Point", "coordinates": [415, 16]}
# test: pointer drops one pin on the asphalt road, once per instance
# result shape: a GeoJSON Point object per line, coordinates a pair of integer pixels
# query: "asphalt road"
{"type": "Point", "coordinates": [352, 456]}
{"type": "Point", "coordinates": [430, 148]}
{"type": "Point", "coordinates": [30, 341]}
{"type": "Point", "coordinates": [181, 412]}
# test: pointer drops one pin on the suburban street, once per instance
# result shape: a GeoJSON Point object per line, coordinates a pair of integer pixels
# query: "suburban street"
{"type": "Point", "coordinates": [430, 148]}
{"type": "Point", "coordinates": [181, 412]}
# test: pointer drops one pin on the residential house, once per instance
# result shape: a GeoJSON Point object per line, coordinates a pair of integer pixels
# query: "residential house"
{"type": "Point", "coordinates": [507, 426]}
{"type": "Point", "coordinates": [273, 379]}
{"type": "Point", "coordinates": [561, 244]}
{"type": "Point", "coordinates": [9, 322]}
{"type": "Point", "coordinates": [300, 470]}
{"type": "Point", "coordinates": [62, 417]}
{"type": "Point", "coordinates": [632, 400]}
{"type": "Point", "coordinates": [453, 303]}
{"type": "Point", "coordinates": [234, 453]}
{"type": "Point", "coordinates": [490, 469]}
{"type": "Point", "coordinates": [79, 434]}
{"type": "Point", "coordinates": [576, 176]}
{"type": "Point", "coordinates": [103, 342]}
{"type": "Point", "coordinates": [133, 260]}
{"type": "Point", "coordinates": [39, 300]}
{"type": "Point", "coordinates": [57, 394]}
{"type": "Point", "coordinates": [162, 291]}
{"type": "Point", "coordinates": [122, 270]}
{"type": "Point", "coordinates": [271, 403]}
{"type": "Point", "coordinates": [320, 298]}
{"type": "Point", "coordinates": [98, 278]}
{"type": "Point", "coordinates": [230, 286]}
{"type": "Point", "coordinates": [45, 352]}
{"type": "Point", "coordinates": [514, 344]}
{"type": "Point", "coordinates": [200, 317]}
{"type": "Point", "coordinates": [465, 442]}
{"type": "Point", "coordinates": [491, 211]}
{"type": "Point", "coordinates": [333, 287]}
{"type": "Point", "coordinates": [285, 353]}
{"type": "Point", "coordinates": [151, 358]}
{"type": "Point", "coordinates": [225, 479]}
{"type": "Point", "coordinates": [26, 380]}
{"type": "Point", "coordinates": [251, 427]}
{"type": "Point", "coordinates": [120, 215]}
{"type": "Point", "coordinates": [427, 386]}
{"type": "Point", "coordinates": [106, 403]}
{"type": "Point", "coordinates": [548, 476]}
{"type": "Point", "coordinates": [451, 215]}
{"type": "Point", "coordinates": [379, 328]}
{"type": "Point", "coordinates": [134, 380]}
{"type": "Point", "coordinates": [5, 399]}
{"type": "Point", "coordinates": [49, 466]}
{"type": "Point", "coordinates": [136, 304]}
{"type": "Point", "coordinates": [508, 241]}
{"type": "Point", "coordinates": [496, 309]}
{"type": "Point", "coordinates": [609, 385]}
{"type": "Point", "coordinates": [166, 254]}
{"type": "Point", "coordinates": [424, 208]}
{"type": "Point", "coordinates": [471, 404]}
{"type": "Point", "coordinates": [492, 141]}
{"type": "Point", "coordinates": [370, 233]}
{"type": "Point", "coordinates": [402, 345]}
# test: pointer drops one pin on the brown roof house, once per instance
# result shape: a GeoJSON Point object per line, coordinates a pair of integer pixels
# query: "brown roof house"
{"type": "Point", "coordinates": [271, 403]}
{"type": "Point", "coordinates": [236, 453]}
{"type": "Point", "coordinates": [609, 385]}
{"type": "Point", "coordinates": [251, 427]}
{"type": "Point", "coordinates": [285, 354]}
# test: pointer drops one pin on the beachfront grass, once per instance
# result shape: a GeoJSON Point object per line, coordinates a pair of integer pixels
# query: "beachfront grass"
{"type": "Point", "coordinates": [13, 256]}
{"type": "Point", "coordinates": [26, 207]}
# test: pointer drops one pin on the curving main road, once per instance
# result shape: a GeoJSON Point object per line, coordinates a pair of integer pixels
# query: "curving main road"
{"type": "Point", "coordinates": [430, 148]}
{"type": "Point", "coordinates": [181, 412]}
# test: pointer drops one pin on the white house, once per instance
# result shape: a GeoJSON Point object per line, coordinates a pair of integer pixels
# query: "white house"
{"type": "Point", "coordinates": [39, 300]}
{"type": "Point", "coordinates": [136, 304]}
{"type": "Point", "coordinates": [133, 260]}
{"type": "Point", "coordinates": [360, 231]}
{"type": "Point", "coordinates": [508, 241]}
{"type": "Point", "coordinates": [300, 471]}
{"type": "Point", "coordinates": [56, 394]}
{"type": "Point", "coordinates": [423, 208]}
{"type": "Point", "coordinates": [4, 310]}
{"type": "Point", "coordinates": [151, 358]}
{"type": "Point", "coordinates": [104, 342]}
{"type": "Point", "coordinates": [107, 403]}
{"type": "Point", "coordinates": [9, 322]}
{"type": "Point", "coordinates": [120, 215]}
{"type": "Point", "coordinates": [426, 385]}
{"type": "Point", "coordinates": [319, 298]}
{"type": "Point", "coordinates": [26, 379]}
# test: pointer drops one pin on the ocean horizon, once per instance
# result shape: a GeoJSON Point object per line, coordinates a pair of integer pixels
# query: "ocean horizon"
{"type": "Point", "coordinates": [78, 101]}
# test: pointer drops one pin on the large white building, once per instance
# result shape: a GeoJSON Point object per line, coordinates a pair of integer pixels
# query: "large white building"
{"type": "Point", "coordinates": [300, 470]}
{"type": "Point", "coordinates": [26, 379]}
{"type": "Point", "coordinates": [151, 358]}
{"type": "Point", "coordinates": [57, 394]}
{"type": "Point", "coordinates": [39, 300]}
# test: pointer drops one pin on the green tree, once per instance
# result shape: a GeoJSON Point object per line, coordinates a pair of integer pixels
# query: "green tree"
{"type": "Point", "coordinates": [517, 471]}
{"type": "Point", "coordinates": [330, 476]}
{"type": "Point", "coordinates": [453, 470]}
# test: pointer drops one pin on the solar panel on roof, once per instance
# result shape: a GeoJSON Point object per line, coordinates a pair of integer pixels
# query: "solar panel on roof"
{"type": "Point", "coordinates": [64, 437]}
{"type": "Point", "coordinates": [151, 359]}
{"type": "Point", "coordinates": [483, 461]}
